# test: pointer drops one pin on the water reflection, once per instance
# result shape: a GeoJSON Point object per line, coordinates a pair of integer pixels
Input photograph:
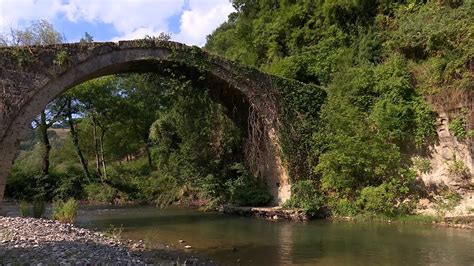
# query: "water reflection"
{"type": "Point", "coordinates": [228, 239]}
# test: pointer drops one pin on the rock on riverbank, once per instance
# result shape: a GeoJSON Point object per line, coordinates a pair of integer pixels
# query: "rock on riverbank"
{"type": "Point", "coordinates": [34, 241]}
{"type": "Point", "coordinates": [269, 213]}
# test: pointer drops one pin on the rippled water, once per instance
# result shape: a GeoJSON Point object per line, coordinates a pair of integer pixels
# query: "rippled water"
{"type": "Point", "coordinates": [226, 238]}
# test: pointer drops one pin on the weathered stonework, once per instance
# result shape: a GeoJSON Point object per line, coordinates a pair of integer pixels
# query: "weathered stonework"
{"type": "Point", "coordinates": [30, 77]}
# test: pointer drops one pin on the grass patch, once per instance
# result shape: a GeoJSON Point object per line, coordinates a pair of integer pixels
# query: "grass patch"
{"type": "Point", "coordinates": [39, 206]}
{"type": "Point", "coordinates": [25, 209]}
{"type": "Point", "coordinates": [114, 232]}
{"type": "Point", "coordinates": [65, 212]}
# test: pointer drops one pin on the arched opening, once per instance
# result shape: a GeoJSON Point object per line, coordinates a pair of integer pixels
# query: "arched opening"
{"type": "Point", "coordinates": [240, 95]}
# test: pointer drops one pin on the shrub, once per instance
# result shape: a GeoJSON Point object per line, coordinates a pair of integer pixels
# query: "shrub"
{"type": "Point", "coordinates": [305, 196]}
{"type": "Point", "coordinates": [162, 189]}
{"type": "Point", "coordinates": [458, 128]}
{"type": "Point", "coordinates": [389, 198]}
{"type": "Point", "coordinates": [39, 207]}
{"type": "Point", "coordinates": [422, 165]}
{"type": "Point", "coordinates": [24, 209]}
{"type": "Point", "coordinates": [69, 181]}
{"type": "Point", "coordinates": [114, 232]}
{"type": "Point", "coordinates": [97, 192]}
{"type": "Point", "coordinates": [246, 190]}
{"type": "Point", "coordinates": [344, 207]}
{"type": "Point", "coordinates": [446, 201]}
{"type": "Point", "coordinates": [458, 170]}
{"type": "Point", "coordinates": [380, 199]}
{"type": "Point", "coordinates": [65, 212]}
{"type": "Point", "coordinates": [62, 58]}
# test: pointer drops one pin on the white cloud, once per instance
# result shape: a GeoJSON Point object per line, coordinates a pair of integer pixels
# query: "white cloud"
{"type": "Point", "coordinates": [131, 19]}
{"type": "Point", "coordinates": [15, 12]}
{"type": "Point", "coordinates": [127, 16]}
{"type": "Point", "coordinates": [138, 33]}
{"type": "Point", "coordinates": [201, 19]}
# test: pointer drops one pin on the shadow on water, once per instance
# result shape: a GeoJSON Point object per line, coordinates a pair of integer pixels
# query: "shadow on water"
{"type": "Point", "coordinates": [145, 217]}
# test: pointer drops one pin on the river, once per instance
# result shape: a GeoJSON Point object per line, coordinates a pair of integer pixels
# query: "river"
{"type": "Point", "coordinates": [229, 239]}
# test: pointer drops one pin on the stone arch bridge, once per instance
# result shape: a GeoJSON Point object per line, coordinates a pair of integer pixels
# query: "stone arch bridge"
{"type": "Point", "coordinates": [30, 77]}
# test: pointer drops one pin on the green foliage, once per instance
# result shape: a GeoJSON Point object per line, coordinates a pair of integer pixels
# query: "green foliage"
{"type": "Point", "coordinates": [164, 190]}
{"type": "Point", "coordinates": [375, 64]}
{"type": "Point", "coordinates": [26, 181]}
{"type": "Point", "coordinates": [114, 231]}
{"type": "Point", "coordinates": [437, 37]}
{"type": "Point", "coordinates": [343, 206]}
{"type": "Point", "coordinates": [163, 139]}
{"type": "Point", "coordinates": [65, 212]}
{"type": "Point", "coordinates": [25, 210]}
{"type": "Point", "coordinates": [381, 199]}
{"type": "Point", "coordinates": [370, 113]}
{"type": "Point", "coordinates": [306, 196]}
{"type": "Point", "coordinates": [39, 32]}
{"type": "Point", "coordinates": [446, 201]}
{"type": "Point", "coordinates": [100, 193]}
{"type": "Point", "coordinates": [458, 170]}
{"type": "Point", "coordinates": [197, 146]}
{"type": "Point", "coordinates": [458, 128]}
{"type": "Point", "coordinates": [62, 58]}
{"type": "Point", "coordinates": [422, 165]}
{"type": "Point", "coordinates": [245, 190]}
{"type": "Point", "coordinates": [23, 57]}
{"type": "Point", "coordinates": [39, 207]}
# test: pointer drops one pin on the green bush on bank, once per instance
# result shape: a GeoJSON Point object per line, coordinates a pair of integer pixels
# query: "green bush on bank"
{"type": "Point", "coordinates": [99, 193]}
{"type": "Point", "coordinates": [245, 189]}
{"type": "Point", "coordinates": [306, 196]}
{"type": "Point", "coordinates": [36, 209]}
{"type": "Point", "coordinates": [390, 198]}
{"type": "Point", "coordinates": [25, 208]}
{"type": "Point", "coordinates": [65, 212]}
{"type": "Point", "coordinates": [39, 207]}
{"type": "Point", "coordinates": [446, 201]}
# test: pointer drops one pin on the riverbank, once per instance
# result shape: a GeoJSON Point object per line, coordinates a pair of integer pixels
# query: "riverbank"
{"type": "Point", "coordinates": [279, 213]}
{"type": "Point", "coordinates": [269, 213]}
{"type": "Point", "coordinates": [464, 222]}
{"type": "Point", "coordinates": [45, 241]}
{"type": "Point", "coordinates": [35, 241]}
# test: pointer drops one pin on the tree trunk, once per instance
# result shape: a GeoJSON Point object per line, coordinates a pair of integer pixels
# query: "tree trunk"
{"type": "Point", "coordinates": [75, 140]}
{"type": "Point", "coordinates": [46, 144]}
{"type": "Point", "coordinates": [148, 154]}
{"type": "Point", "coordinates": [104, 164]}
{"type": "Point", "coordinates": [96, 145]}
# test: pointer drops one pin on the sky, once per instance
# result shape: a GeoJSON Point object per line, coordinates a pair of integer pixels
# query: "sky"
{"type": "Point", "coordinates": [188, 21]}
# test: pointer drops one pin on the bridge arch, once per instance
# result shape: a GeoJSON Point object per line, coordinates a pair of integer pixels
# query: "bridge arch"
{"type": "Point", "coordinates": [31, 77]}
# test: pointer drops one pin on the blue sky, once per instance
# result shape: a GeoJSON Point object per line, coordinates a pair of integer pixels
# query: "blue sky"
{"type": "Point", "coordinates": [188, 21]}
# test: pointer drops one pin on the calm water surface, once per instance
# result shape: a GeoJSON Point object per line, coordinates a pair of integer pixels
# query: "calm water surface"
{"type": "Point", "coordinates": [226, 238]}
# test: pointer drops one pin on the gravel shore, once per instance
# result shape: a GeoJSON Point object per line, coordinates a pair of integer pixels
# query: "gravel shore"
{"type": "Point", "coordinates": [41, 241]}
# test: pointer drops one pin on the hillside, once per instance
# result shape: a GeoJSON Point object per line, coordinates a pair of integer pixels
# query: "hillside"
{"type": "Point", "coordinates": [400, 77]}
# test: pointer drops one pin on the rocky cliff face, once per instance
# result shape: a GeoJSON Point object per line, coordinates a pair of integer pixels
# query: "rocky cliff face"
{"type": "Point", "coordinates": [449, 162]}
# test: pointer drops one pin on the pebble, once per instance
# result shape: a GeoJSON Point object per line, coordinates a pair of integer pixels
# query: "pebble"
{"type": "Point", "coordinates": [45, 242]}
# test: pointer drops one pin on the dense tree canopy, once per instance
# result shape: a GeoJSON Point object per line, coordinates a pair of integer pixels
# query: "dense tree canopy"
{"type": "Point", "coordinates": [377, 60]}
{"type": "Point", "coordinates": [163, 139]}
